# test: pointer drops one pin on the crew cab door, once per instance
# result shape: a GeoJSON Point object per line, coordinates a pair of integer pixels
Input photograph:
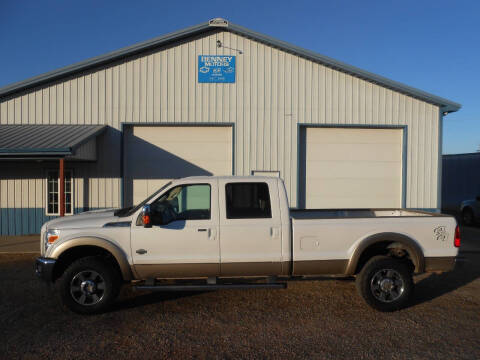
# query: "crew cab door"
{"type": "Point", "coordinates": [250, 227]}
{"type": "Point", "coordinates": [183, 240]}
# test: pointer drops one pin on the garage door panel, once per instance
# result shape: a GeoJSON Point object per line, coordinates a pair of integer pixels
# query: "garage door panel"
{"type": "Point", "coordinates": [352, 152]}
{"type": "Point", "coordinates": [347, 136]}
{"type": "Point", "coordinates": [173, 134]}
{"type": "Point", "coordinates": [156, 154]}
{"type": "Point", "coordinates": [191, 153]}
{"type": "Point", "coordinates": [346, 202]}
{"type": "Point", "coordinates": [142, 188]}
{"type": "Point", "coordinates": [381, 187]}
{"type": "Point", "coordinates": [353, 168]}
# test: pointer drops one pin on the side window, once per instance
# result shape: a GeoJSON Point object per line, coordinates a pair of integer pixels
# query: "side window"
{"type": "Point", "coordinates": [53, 189]}
{"type": "Point", "coordinates": [247, 201]}
{"type": "Point", "coordinates": [188, 202]}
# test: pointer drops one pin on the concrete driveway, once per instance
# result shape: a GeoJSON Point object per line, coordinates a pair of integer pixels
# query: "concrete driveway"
{"type": "Point", "coordinates": [20, 244]}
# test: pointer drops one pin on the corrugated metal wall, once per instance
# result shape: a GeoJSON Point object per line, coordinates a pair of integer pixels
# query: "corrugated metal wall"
{"type": "Point", "coordinates": [22, 198]}
{"type": "Point", "coordinates": [274, 91]}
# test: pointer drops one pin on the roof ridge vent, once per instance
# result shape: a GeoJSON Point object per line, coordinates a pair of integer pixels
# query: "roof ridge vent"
{"type": "Point", "coordinates": [218, 22]}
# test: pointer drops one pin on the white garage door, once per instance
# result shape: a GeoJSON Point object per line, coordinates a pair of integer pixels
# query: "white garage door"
{"type": "Point", "coordinates": [156, 154]}
{"type": "Point", "coordinates": [353, 168]}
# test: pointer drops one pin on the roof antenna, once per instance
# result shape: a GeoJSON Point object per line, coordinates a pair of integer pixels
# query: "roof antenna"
{"type": "Point", "coordinates": [219, 45]}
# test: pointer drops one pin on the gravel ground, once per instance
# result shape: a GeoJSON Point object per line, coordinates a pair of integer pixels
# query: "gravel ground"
{"type": "Point", "coordinates": [322, 319]}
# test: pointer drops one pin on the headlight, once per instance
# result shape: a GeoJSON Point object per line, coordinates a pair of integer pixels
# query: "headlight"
{"type": "Point", "coordinates": [50, 237]}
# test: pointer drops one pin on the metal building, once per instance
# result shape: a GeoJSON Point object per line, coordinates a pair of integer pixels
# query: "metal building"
{"type": "Point", "coordinates": [215, 98]}
{"type": "Point", "coordinates": [460, 180]}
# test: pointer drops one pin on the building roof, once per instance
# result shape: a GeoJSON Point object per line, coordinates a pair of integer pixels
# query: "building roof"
{"type": "Point", "coordinates": [45, 140]}
{"type": "Point", "coordinates": [216, 25]}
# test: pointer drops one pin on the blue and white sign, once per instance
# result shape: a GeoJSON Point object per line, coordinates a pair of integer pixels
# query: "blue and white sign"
{"type": "Point", "coordinates": [216, 69]}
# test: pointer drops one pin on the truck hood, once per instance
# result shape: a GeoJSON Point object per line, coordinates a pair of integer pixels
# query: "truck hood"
{"type": "Point", "coordinates": [88, 219]}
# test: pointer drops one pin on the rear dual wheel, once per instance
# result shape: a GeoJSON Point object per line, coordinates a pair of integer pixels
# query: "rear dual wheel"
{"type": "Point", "coordinates": [385, 283]}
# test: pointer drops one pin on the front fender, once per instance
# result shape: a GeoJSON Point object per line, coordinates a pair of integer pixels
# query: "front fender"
{"type": "Point", "coordinates": [107, 245]}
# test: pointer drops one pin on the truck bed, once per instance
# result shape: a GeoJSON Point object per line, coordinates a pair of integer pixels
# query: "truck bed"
{"type": "Point", "coordinates": [310, 214]}
{"type": "Point", "coordinates": [336, 234]}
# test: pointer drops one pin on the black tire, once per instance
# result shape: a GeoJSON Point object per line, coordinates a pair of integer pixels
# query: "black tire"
{"type": "Point", "coordinates": [467, 216]}
{"type": "Point", "coordinates": [89, 285]}
{"type": "Point", "coordinates": [385, 283]}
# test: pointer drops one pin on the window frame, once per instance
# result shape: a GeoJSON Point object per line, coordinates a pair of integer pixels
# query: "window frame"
{"type": "Point", "coordinates": [47, 176]}
{"type": "Point", "coordinates": [254, 217]}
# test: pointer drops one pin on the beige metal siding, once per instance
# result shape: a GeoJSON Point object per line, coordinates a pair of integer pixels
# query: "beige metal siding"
{"type": "Point", "coordinates": [352, 168]}
{"type": "Point", "coordinates": [274, 91]}
{"type": "Point", "coordinates": [87, 151]}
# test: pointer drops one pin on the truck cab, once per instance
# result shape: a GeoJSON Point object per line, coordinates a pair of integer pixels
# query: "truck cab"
{"type": "Point", "coordinates": [210, 226]}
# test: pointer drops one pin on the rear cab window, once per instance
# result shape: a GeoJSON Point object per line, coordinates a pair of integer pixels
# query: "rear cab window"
{"type": "Point", "coordinates": [249, 200]}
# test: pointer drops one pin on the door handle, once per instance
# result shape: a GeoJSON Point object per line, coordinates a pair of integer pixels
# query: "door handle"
{"type": "Point", "coordinates": [211, 233]}
{"type": "Point", "coordinates": [274, 232]}
{"type": "Point", "coordinates": [141, 251]}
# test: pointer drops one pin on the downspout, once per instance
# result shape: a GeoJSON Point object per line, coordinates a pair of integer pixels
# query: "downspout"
{"type": "Point", "coordinates": [62, 186]}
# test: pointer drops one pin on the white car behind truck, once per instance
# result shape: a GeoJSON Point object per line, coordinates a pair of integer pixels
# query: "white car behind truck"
{"type": "Point", "coordinates": [208, 233]}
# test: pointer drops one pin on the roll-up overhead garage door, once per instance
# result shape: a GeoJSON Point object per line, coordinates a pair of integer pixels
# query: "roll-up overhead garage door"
{"type": "Point", "coordinates": [351, 167]}
{"type": "Point", "coordinates": [156, 154]}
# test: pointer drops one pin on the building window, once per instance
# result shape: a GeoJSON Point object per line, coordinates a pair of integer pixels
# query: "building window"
{"type": "Point", "coordinates": [53, 198]}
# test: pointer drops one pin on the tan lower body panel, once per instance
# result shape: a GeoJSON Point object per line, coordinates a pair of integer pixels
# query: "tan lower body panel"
{"type": "Point", "coordinates": [253, 268]}
{"type": "Point", "coordinates": [177, 271]}
{"type": "Point", "coordinates": [320, 267]}
{"type": "Point", "coordinates": [172, 271]}
{"type": "Point", "coordinates": [439, 263]}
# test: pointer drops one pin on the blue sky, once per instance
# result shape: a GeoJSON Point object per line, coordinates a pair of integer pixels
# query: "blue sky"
{"type": "Point", "coordinates": [432, 45]}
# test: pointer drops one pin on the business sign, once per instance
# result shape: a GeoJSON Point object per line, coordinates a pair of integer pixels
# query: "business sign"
{"type": "Point", "coordinates": [216, 69]}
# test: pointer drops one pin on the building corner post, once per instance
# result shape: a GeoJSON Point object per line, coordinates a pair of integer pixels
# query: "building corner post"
{"type": "Point", "coordinates": [440, 160]}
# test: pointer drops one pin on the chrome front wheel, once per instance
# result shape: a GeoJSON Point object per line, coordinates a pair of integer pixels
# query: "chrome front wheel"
{"type": "Point", "coordinates": [87, 287]}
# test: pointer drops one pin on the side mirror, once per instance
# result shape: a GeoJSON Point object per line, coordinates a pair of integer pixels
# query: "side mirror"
{"type": "Point", "coordinates": [146, 216]}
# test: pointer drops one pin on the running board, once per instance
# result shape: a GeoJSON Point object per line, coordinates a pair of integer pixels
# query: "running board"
{"type": "Point", "coordinates": [207, 287]}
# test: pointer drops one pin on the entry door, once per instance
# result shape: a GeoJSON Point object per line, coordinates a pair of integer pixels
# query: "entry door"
{"type": "Point", "coordinates": [250, 228]}
{"type": "Point", "coordinates": [183, 240]}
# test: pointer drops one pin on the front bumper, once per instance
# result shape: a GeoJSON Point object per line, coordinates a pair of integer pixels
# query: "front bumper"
{"type": "Point", "coordinates": [44, 268]}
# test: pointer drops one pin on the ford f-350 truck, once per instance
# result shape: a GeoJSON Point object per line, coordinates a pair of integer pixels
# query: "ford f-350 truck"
{"type": "Point", "coordinates": [208, 233]}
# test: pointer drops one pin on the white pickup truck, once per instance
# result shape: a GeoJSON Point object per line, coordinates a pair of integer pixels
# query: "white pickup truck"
{"type": "Point", "coordinates": [206, 233]}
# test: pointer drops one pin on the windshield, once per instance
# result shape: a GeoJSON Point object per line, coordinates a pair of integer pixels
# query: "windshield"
{"type": "Point", "coordinates": [132, 209]}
